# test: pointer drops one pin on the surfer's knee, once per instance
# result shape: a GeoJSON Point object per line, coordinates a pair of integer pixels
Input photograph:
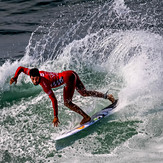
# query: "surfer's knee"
{"type": "Point", "coordinates": [71, 106]}
{"type": "Point", "coordinates": [68, 103]}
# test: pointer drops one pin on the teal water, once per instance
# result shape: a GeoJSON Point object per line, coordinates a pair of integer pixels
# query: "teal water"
{"type": "Point", "coordinates": [112, 45]}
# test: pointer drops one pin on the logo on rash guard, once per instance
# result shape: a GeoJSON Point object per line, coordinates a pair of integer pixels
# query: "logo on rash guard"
{"type": "Point", "coordinates": [44, 84]}
{"type": "Point", "coordinates": [42, 74]}
{"type": "Point", "coordinates": [58, 82]}
{"type": "Point", "coordinates": [52, 74]}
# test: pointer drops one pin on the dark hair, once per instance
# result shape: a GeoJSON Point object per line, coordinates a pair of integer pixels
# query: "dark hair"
{"type": "Point", "coordinates": [34, 72]}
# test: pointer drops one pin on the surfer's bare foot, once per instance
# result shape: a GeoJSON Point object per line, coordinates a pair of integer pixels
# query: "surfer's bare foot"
{"type": "Point", "coordinates": [85, 120]}
{"type": "Point", "coordinates": [111, 98]}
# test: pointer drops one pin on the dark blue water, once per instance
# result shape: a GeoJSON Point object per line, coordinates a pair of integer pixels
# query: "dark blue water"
{"type": "Point", "coordinates": [114, 45]}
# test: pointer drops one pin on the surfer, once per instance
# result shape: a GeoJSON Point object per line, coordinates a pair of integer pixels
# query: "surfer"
{"type": "Point", "coordinates": [49, 80]}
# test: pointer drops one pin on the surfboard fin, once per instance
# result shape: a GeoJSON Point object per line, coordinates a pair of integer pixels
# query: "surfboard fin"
{"type": "Point", "coordinates": [105, 95]}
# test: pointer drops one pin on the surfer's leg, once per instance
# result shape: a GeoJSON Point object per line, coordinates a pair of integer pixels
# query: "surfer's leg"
{"type": "Point", "coordinates": [68, 94]}
{"type": "Point", "coordinates": [82, 90]}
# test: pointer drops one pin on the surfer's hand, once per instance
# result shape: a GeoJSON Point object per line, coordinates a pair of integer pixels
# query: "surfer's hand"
{"type": "Point", "coordinates": [12, 80]}
{"type": "Point", "coordinates": [56, 121]}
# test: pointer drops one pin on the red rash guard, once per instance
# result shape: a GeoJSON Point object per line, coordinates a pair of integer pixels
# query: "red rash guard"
{"type": "Point", "coordinates": [48, 81]}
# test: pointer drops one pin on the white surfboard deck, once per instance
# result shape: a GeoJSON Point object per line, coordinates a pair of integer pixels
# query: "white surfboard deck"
{"type": "Point", "coordinates": [95, 118]}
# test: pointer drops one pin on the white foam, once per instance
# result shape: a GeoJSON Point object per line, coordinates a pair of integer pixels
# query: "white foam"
{"type": "Point", "coordinates": [120, 7]}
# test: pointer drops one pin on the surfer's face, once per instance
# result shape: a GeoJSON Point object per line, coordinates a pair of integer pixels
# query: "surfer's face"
{"type": "Point", "coordinates": [35, 80]}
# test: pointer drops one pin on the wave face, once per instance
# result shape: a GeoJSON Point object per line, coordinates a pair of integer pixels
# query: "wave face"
{"type": "Point", "coordinates": [112, 45]}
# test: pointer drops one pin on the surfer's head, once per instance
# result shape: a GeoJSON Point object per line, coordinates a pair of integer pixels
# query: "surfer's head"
{"type": "Point", "coordinates": [35, 76]}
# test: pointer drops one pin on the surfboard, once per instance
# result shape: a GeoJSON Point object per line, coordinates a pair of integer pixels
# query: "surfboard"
{"type": "Point", "coordinates": [95, 118]}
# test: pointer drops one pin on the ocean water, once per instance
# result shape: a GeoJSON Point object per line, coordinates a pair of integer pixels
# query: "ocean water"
{"type": "Point", "coordinates": [114, 45]}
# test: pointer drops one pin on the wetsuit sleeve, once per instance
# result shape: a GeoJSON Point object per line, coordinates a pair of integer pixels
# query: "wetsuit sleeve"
{"type": "Point", "coordinates": [21, 69]}
{"type": "Point", "coordinates": [54, 104]}
{"type": "Point", "coordinates": [53, 99]}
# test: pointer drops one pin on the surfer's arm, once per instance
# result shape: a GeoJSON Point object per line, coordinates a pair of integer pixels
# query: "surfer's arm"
{"type": "Point", "coordinates": [54, 104]}
{"type": "Point", "coordinates": [51, 95]}
{"type": "Point", "coordinates": [17, 73]}
{"type": "Point", "coordinates": [21, 69]}
{"type": "Point", "coordinates": [55, 108]}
